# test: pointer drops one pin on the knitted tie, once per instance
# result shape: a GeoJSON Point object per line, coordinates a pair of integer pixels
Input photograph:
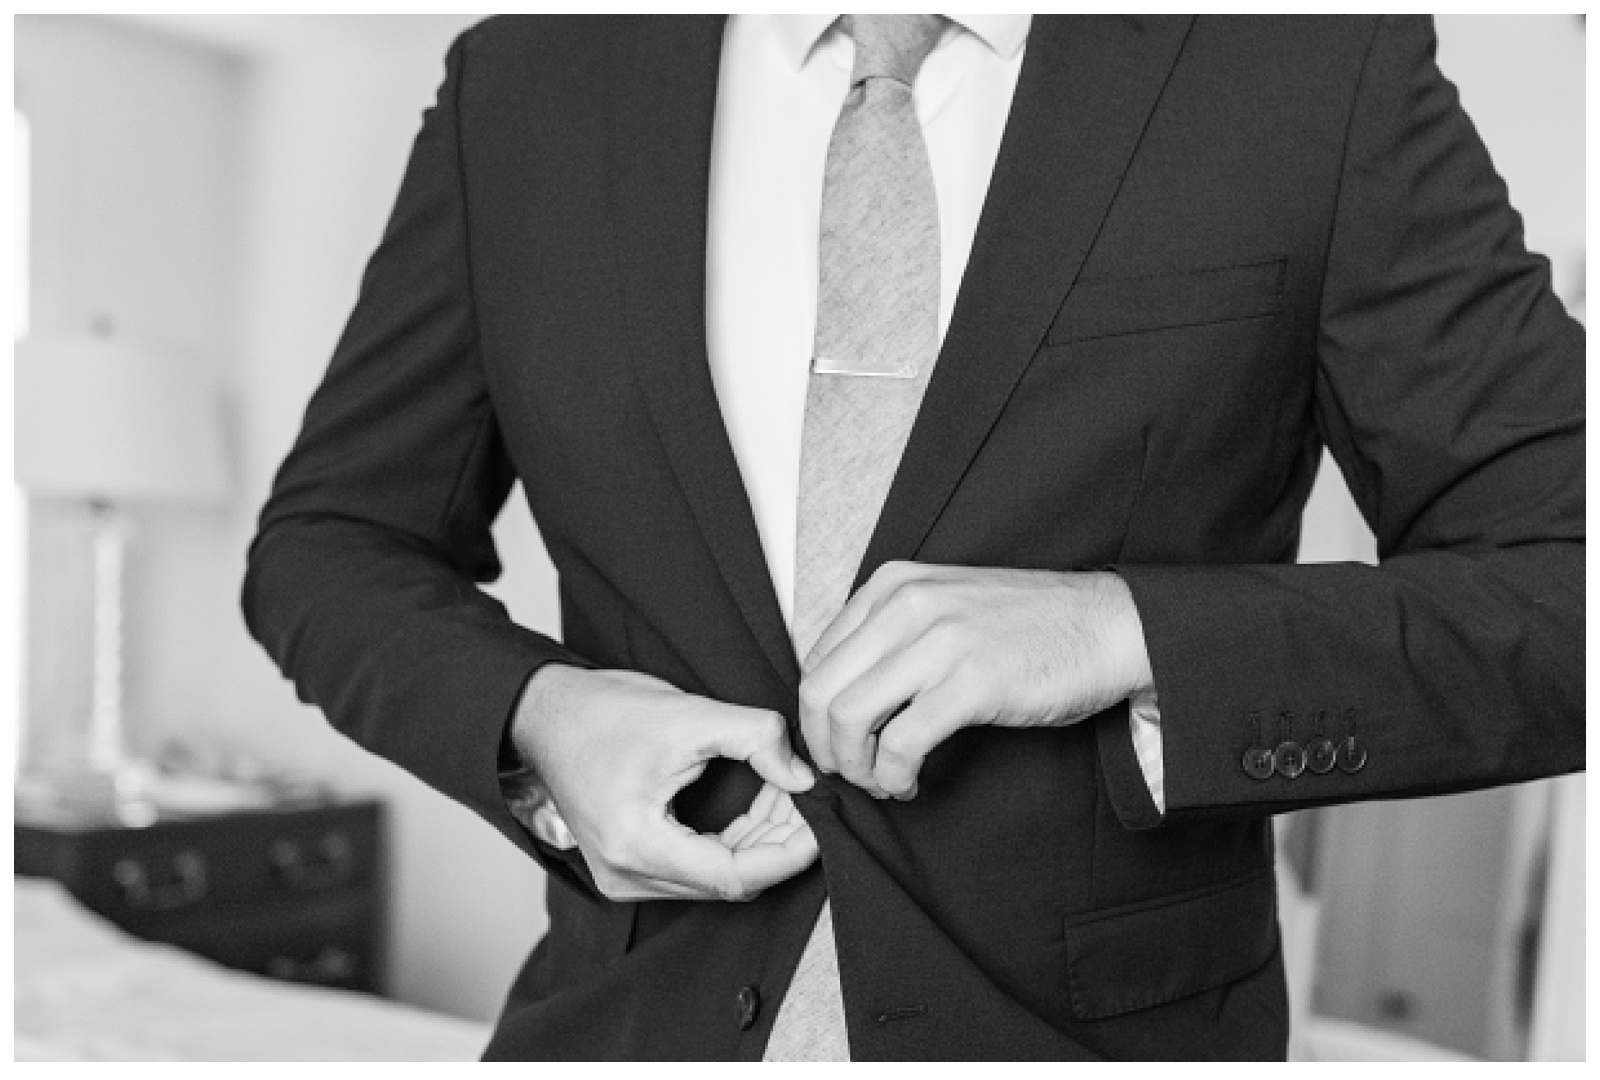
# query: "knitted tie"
{"type": "Point", "coordinates": [877, 339]}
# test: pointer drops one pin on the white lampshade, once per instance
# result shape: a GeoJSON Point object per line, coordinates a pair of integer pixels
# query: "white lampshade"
{"type": "Point", "coordinates": [97, 417]}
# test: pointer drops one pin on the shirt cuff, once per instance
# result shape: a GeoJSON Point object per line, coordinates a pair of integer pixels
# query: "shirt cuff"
{"type": "Point", "coordinates": [533, 808]}
{"type": "Point", "coordinates": [1144, 722]}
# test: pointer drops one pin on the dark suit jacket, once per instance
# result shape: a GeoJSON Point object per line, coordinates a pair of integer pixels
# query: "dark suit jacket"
{"type": "Point", "coordinates": [1210, 247]}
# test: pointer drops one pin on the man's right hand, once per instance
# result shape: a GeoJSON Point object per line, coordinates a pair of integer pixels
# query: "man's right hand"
{"type": "Point", "coordinates": [615, 747]}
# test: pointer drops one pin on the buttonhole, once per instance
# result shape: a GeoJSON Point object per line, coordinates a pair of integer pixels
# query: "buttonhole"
{"type": "Point", "coordinates": [904, 1012]}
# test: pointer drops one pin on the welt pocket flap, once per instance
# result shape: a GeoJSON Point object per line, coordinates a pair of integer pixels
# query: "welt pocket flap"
{"type": "Point", "coordinates": [1148, 954]}
{"type": "Point", "coordinates": [1102, 307]}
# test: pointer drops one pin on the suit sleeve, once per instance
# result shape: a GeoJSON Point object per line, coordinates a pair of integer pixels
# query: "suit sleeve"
{"type": "Point", "coordinates": [362, 579]}
{"type": "Point", "coordinates": [1450, 392]}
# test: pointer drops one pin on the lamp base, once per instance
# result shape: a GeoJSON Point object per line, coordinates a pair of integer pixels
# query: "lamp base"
{"type": "Point", "coordinates": [86, 794]}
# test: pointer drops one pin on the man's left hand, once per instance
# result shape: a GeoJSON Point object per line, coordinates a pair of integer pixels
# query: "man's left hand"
{"type": "Point", "coordinates": [922, 651]}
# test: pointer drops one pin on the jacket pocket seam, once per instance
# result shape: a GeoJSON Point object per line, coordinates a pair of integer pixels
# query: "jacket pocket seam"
{"type": "Point", "coordinates": [1067, 341]}
{"type": "Point", "coordinates": [1156, 903]}
{"type": "Point", "coordinates": [1248, 264]}
{"type": "Point", "coordinates": [1150, 1001]}
{"type": "Point", "coordinates": [1182, 971]}
{"type": "Point", "coordinates": [1253, 303]}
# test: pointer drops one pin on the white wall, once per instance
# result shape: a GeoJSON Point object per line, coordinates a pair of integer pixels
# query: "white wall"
{"type": "Point", "coordinates": [214, 186]}
{"type": "Point", "coordinates": [134, 143]}
{"type": "Point", "coordinates": [329, 125]}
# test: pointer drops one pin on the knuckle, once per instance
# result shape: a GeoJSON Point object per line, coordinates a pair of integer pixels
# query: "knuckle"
{"type": "Point", "coordinates": [920, 601]}
{"type": "Point", "coordinates": [895, 570]}
{"type": "Point", "coordinates": [967, 676]}
{"type": "Point", "coordinates": [842, 715]}
{"type": "Point", "coordinates": [894, 782]}
{"type": "Point", "coordinates": [813, 695]}
{"type": "Point", "coordinates": [910, 597]}
{"type": "Point", "coordinates": [611, 886]}
{"type": "Point", "coordinates": [947, 637]}
{"type": "Point", "coordinates": [770, 727]}
{"type": "Point", "coordinates": [898, 743]}
{"type": "Point", "coordinates": [734, 890]}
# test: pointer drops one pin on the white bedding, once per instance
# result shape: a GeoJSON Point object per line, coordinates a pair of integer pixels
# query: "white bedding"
{"type": "Point", "coordinates": [85, 991]}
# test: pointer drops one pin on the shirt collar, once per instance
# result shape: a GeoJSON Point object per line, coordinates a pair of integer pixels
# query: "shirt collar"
{"type": "Point", "coordinates": [1002, 33]}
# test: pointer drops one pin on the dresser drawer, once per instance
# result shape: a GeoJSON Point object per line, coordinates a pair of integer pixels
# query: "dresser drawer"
{"type": "Point", "coordinates": [295, 893]}
{"type": "Point", "coordinates": [133, 876]}
{"type": "Point", "coordinates": [331, 940]}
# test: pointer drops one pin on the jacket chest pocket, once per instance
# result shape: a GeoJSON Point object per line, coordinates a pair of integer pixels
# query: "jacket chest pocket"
{"type": "Point", "coordinates": [1102, 307]}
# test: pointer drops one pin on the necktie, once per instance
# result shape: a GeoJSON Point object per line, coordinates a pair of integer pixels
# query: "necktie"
{"type": "Point", "coordinates": [877, 339]}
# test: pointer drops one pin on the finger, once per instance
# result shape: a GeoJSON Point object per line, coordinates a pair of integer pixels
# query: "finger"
{"type": "Point", "coordinates": [907, 740]}
{"type": "Point", "coordinates": [772, 862]}
{"type": "Point", "coordinates": [778, 822]}
{"type": "Point", "coordinates": [645, 887]}
{"type": "Point", "coordinates": [784, 809]}
{"type": "Point", "coordinates": [700, 862]}
{"type": "Point", "coordinates": [756, 835]}
{"type": "Point", "coordinates": [820, 687]}
{"type": "Point", "coordinates": [783, 854]}
{"type": "Point", "coordinates": [870, 702]}
{"type": "Point", "coordinates": [877, 588]}
{"type": "Point", "coordinates": [903, 617]}
{"type": "Point", "coordinates": [847, 622]}
{"type": "Point", "coordinates": [766, 801]}
{"type": "Point", "coordinates": [761, 810]}
{"type": "Point", "coordinates": [676, 855]}
{"type": "Point", "coordinates": [737, 830]}
{"type": "Point", "coordinates": [761, 739]}
{"type": "Point", "coordinates": [781, 833]}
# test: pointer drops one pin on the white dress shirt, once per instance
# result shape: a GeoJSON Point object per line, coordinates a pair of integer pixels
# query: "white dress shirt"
{"type": "Point", "coordinates": [782, 83]}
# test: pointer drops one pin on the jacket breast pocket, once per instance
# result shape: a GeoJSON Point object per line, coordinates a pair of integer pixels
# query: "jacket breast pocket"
{"type": "Point", "coordinates": [1099, 307]}
{"type": "Point", "coordinates": [1141, 955]}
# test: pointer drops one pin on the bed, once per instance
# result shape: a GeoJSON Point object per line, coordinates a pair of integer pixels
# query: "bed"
{"type": "Point", "coordinates": [86, 991]}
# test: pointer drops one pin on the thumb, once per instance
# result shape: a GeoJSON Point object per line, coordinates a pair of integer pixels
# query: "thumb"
{"type": "Point", "coordinates": [761, 739]}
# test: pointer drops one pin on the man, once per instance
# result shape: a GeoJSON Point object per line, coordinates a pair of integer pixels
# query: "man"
{"type": "Point", "coordinates": [899, 398]}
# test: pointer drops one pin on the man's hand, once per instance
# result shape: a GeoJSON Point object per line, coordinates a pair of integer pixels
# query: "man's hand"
{"type": "Point", "coordinates": [615, 747]}
{"type": "Point", "coordinates": [922, 651]}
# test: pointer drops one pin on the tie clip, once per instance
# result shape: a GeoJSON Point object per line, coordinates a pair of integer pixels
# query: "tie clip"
{"type": "Point", "coordinates": [862, 367]}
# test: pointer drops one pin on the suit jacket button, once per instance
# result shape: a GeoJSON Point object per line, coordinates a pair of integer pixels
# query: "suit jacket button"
{"type": "Point", "coordinates": [1352, 755]}
{"type": "Point", "coordinates": [1289, 760]}
{"type": "Point", "coordinates": [748, 1001]}
{"type": "Point", "coordinates": [1258, 763]}
{"type": "Point", "coordinates": [1320, 756]}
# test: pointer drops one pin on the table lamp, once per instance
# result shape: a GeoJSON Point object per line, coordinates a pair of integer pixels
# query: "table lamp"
{"type": "Point", "coordinates": [103, 422]}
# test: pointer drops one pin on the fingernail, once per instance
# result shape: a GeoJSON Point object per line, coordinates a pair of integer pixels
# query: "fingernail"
{"type": "Point", "coordinates": [802, 772]}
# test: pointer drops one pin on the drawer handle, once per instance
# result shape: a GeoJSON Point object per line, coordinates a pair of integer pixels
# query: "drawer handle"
{"type": "Point", "coordinates": [331, 966]}
{"type": "Point", "coordinates": [329, 862]}
{"type": "Point", "coordinates": [186, 882]}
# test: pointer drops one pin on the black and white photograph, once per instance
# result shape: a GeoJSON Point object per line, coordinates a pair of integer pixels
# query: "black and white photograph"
{"type": "Point", "coordinates": [797, 538]}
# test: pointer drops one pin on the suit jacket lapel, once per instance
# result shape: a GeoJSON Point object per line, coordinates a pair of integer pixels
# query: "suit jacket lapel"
{"type": "Point", "coordinates": [662, 98]}
{"type": "Point", "coordinates": [1086, 90]}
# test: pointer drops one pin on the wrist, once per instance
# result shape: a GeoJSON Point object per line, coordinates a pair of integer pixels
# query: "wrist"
{"type": "Point", "coordinates": [524, 788]}
{"type": "Point", "coordinates": [541, 699]}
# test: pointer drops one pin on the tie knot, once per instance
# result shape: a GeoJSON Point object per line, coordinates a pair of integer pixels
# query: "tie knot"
{"type": "Point", "coordinates": [891, 46]}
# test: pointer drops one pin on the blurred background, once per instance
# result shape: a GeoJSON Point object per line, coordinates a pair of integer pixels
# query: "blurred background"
{"type": "Point", "coordinates": [196, 197]}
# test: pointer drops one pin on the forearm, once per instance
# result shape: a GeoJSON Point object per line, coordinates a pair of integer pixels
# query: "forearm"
{"type": "Point", "coordinates": [398, 648]}
{"type": "Point", "coordinates": [1453, 670]}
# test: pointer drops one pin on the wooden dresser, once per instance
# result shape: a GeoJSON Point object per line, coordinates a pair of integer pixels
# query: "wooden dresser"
{"type": "Point", "coordinates": [293, 893]}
